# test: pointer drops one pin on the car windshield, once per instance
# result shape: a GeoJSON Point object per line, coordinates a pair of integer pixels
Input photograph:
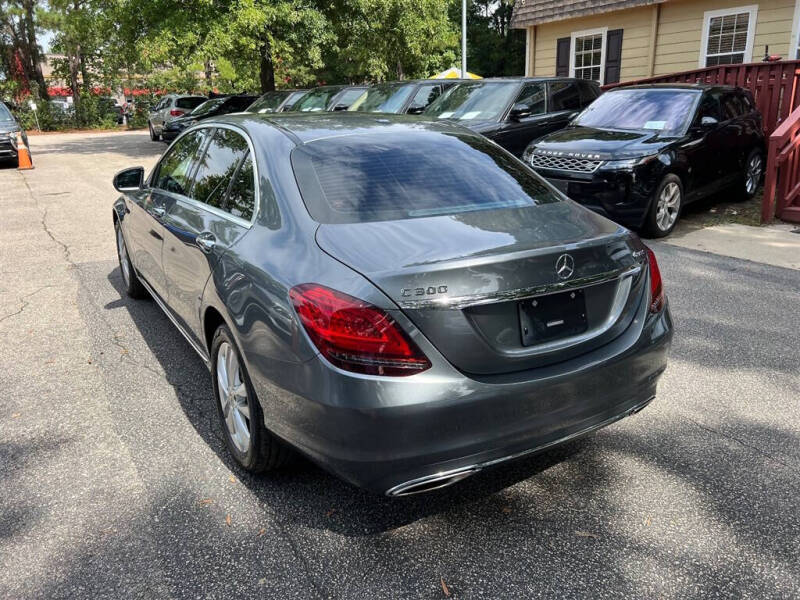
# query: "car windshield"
{"type": "Point", "coordinates": [384, 98]}
{"type": "Point", "coordinates": [293, 97]}
{"type": "Point", "coordinates": [360, 178]}
{"type": "Point", "coordinates": [5, 114]}
{"type": "Point", "coordinates": [475, 101]}
{"type": "Point", "coordinates": [268, 102]}
{"type": "Point", "coordinates": [316, 100]}
{"type": "Point", "coordinates": [207, 106]}
{"type": "Point", "coordinates": [668, 111]}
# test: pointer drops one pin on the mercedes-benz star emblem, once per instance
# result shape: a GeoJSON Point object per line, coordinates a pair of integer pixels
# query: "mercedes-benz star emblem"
{"type": "Point", "coordinates": [565, 266]}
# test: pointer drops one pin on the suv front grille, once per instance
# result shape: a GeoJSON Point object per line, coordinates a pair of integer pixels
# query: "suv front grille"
{"type": "Point", "coordinates": [564, 163]}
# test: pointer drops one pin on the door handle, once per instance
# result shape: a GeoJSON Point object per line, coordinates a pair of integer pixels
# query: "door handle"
{"type": "Point", "coordinates": [158, 212]}
{"type": "Point", "coordinates": [206, 241]}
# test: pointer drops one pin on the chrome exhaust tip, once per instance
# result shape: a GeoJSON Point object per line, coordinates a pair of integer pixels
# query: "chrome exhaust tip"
{"type": "Point", "coordinates": [431, 482]}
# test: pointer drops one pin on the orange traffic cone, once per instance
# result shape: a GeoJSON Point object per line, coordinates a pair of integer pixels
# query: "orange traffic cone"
{"type": "Point", "coordinates": [23, 154]}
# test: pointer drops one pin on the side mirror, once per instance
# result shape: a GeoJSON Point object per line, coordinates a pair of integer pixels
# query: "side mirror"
{"type": "Point", "coordinates": [708, 122]}
{"type": "Point", "coordinates": [339, 107]}
{"type": "Point", "coordinates": [415, 109]}
{"type": "Point", "coordinates": [519, 111]}
{"type": "Point", "coordinates": [129, 180]}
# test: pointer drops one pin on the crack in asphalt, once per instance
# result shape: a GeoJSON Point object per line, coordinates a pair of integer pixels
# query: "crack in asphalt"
{"type": "Point", "coordinates": [24, 301]}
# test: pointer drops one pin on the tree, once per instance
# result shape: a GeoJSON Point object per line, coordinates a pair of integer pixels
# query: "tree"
{"type": "Point", "coordinates": [493, 48]}
{"type": "Point", "coordinates": [19, 20]}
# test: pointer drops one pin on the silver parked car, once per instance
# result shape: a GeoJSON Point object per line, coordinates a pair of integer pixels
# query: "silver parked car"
{"type": "Point", "coordinates": [402, 301]}
{"type": "Point", "coordinates": [169, 108]}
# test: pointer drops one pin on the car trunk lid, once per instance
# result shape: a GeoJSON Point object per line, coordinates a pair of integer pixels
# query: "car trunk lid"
{"type": "Point", "coordinates": [468, 280]}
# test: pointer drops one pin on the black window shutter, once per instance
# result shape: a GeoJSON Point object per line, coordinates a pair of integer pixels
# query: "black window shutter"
{"type": "Point", "coordinates": [562, 56]}
{"type": "Point", "coordinates": [613, 55]}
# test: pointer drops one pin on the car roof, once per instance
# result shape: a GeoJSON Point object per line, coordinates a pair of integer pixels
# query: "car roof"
{"type": "Point", "coordinates": [307, 127]}
{"type": "Point", "coordinates": [526, 79]}
{"type": "Point", "coordinates": [697, 87]}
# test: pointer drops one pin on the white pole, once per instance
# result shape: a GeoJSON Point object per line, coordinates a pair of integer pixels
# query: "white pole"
{"type": "Point", "coordinates": [463, 38]}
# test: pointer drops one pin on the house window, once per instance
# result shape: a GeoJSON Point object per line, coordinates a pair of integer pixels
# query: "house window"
{"type": "Point", "coordinates": [728, 36]}
{"type": "Point", "coordinates": [587, 58]}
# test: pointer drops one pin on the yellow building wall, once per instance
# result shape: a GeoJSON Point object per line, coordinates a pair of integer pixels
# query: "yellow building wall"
{"type": "Point", "coordinates": [681, 23]}
{"type": "Point", "coordinates": [677, 37]}
{"type": "Point", "coordinates": [635, 22]}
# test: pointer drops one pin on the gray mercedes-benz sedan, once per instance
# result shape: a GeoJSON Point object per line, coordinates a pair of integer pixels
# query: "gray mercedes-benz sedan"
{"type": "Point", "coordinates": [402, 301]}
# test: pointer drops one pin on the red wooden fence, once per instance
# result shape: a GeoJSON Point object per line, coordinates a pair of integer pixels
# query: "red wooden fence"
{"type": "Point", "coordinates": [782, 178]}
{"type": "Point", "coordinates": [775, 86]}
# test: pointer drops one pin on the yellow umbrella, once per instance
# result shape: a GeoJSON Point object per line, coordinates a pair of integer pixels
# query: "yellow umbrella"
{"type": "Point", "coordinates": [455, 74]}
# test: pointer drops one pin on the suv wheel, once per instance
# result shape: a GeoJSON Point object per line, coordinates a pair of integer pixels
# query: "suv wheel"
{"type": "Point", "coordinates": [248, 440]}
{"type": "Point", "coordinates": [753, 170]}
{"type": "Point", "coordinates": [665, 208]}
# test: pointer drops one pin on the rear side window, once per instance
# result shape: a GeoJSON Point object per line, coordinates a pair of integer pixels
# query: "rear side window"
{"type": "Point", "coordinates": [216, 168]}
{"type": "Point", "coordinates": [241, 199]}
{"type": "Point", "coordinates": [589, 92]}
{"type": "Point", "coordinates": [564, 96]}
{"type": "Point", "coordinates": [189, 103]}
{"type": "Point", "coordinates": [386, 177]}
{"type": "Point", "coordinates": [175, 168]}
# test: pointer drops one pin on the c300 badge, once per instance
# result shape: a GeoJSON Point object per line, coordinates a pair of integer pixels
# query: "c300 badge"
{"type": "Point", "coordinates": [432, 290]}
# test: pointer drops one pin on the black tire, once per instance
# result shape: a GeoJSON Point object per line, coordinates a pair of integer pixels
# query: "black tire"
{"type": "Point", "coordinates": [153, 136]}
{"type": "Point", "coordinates": [751, 180]}
{"type": "Point", "coordinates": [264, 452]}
{"type": "Point", "coordinates": [130, 280]}
{"type": "Point", "coordinates": [656, 225]}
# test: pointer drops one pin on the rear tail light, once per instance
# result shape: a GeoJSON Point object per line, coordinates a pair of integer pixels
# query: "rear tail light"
{"type": "Point", "coordinates": [355, 335]}
{"type": "Point", "coordinates": [176, 113]}
{"type": "Point", "coordinates": [656, 287]}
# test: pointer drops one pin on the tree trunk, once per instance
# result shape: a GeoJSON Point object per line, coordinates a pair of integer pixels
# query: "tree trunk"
{"type": "Point", "coordinates": [267, 69]}
{"type": "Point", "coordinates": [33, 51]}
{"type": "Point", "coordinates": [84, 73]}
{"type": "Point", "coordinates": [400, 74]}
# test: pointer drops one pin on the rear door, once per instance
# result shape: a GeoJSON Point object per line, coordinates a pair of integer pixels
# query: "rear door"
{"type": "Point", "coordinates": [170, 181]}
{"type": "Point", "coordinates": [515, 134]}
{"type": "Point", "coordinates": [200, 226]}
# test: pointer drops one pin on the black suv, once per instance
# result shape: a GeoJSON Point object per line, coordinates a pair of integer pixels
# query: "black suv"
{"type": "Point", "coordinates": [638, 154]}
{"type": "Point", "coordinates": [514, 111]}
{"type": "Point", "coordinates": [221, 105]}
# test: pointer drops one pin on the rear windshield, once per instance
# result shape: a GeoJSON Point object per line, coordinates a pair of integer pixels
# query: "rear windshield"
{"type": "Point", "coordinates": [387, 177]}
{"type": "Point", "coordinates": [206, 107]}
{"type": "Point", "coordinates": [668, 111]}
{"type": "Point", "coordinates": [189, 102]}
{"type": "Point", "coordinates": [237, 103]}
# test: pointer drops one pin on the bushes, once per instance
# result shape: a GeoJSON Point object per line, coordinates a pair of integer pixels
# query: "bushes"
{"type": "Point", "coordinates": [93, 112]}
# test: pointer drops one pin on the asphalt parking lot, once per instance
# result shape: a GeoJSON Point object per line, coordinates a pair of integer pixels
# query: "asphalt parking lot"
{"type": "Point", "coordinates": [115, 482]}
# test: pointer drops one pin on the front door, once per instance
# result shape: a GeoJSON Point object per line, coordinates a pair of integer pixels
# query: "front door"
{"type": "Point", "coordinates": [516, 133]}
{"type": "Point", "coordinates": [706, 148]}
{"type": "Point", "coordinates": [201, 226]}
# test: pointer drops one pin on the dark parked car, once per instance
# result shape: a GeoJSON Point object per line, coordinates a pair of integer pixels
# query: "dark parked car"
{"type": "Point", "coordinates": [640, 153]}
{"type": "Point", "coordinates": [221, 105]}
{"type": "Point", "coordinates": [112, 108]}
{"type": "Point", "coordinates": [9, 128]}
{"type": "Point", "coordinates": [276, 101]}
{"type": "Point", "coordinates": [405, 323]}
{"type": "Point", "coordinates": [328, 98]}
{"type": "Point", "coordinates": [399, 97]}
{"type": "Point", "coordinates": [170, 107]}
{"type": "Point", "coordinates": [514, 111]}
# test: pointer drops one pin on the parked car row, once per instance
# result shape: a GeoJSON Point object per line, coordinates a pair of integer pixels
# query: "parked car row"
{"type": "Point", "coordinates": [637, 155]}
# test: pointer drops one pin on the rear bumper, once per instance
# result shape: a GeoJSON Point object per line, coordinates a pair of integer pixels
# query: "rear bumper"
{"type": "Point", "coordinates": [381, 433]}
{"type": "Point", "coordinates": [169, 134]}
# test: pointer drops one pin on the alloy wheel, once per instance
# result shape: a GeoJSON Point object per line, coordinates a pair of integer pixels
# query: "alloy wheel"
{"type": "Point", "coordinates": [669, 205]}
{"type": "Point", "coordinates": [233, 397]}
{"type": "Point", "coordinates": [754, 168]}
{"type": "Point", "coordinates": [122, 251]}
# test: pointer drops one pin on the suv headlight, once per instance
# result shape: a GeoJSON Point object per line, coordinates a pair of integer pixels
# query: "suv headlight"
{"type": "Point", "coordinates": [628, 163]}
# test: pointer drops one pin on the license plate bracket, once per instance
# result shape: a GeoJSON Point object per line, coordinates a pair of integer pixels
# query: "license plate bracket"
{"type": "Point", "coordinates": [550, 317]}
